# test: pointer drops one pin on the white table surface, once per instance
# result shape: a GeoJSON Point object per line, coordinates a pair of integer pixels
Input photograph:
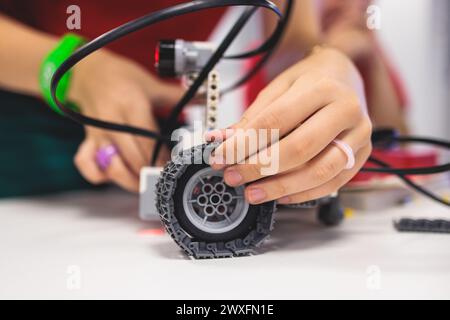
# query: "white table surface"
{"type": "Point", "coordinates": [100, 234]}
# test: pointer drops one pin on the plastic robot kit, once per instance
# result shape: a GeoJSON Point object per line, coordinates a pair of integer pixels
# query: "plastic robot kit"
{"type": "Point", "coordinates": [203, 215]}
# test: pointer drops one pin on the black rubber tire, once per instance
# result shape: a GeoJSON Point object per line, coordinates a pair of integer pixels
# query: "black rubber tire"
{"type": "Point", "coordinates": [241, 241]}
{"type": "Point", "coordinates": [331, 214]}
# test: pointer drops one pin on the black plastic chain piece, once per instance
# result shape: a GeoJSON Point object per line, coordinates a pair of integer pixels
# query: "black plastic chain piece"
{"type": "Point", "coordinates": [422, 225]}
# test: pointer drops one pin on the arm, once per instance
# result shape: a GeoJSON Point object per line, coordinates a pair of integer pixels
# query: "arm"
{"type": "Point", "coordinates": [346, 30]}
{"type": "Point", "coordinates": [22, 51]}
{"type": "Point", "coordinates": [304, 30]}
{"type": "Point", "coordinates": [348, 33]}
{"type": "Point", "coordinates": [106, 86]}
{"type": "Point", "coordinates": [385, 106]}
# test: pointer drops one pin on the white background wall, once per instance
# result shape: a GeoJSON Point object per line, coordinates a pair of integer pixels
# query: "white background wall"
{"type": "Point", "coordinates": [418, 42]}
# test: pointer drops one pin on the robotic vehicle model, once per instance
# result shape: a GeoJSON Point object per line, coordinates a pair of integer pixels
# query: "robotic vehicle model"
{"type": "Point", "coordinates": [205, 217]}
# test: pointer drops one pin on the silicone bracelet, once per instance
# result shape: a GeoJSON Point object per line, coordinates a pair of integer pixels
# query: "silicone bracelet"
{"type": "Point", "coordinates": [65, 48]}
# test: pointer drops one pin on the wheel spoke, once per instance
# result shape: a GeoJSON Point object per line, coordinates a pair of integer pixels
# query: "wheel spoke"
{"type": "Point", "coordinates": [205, 210]}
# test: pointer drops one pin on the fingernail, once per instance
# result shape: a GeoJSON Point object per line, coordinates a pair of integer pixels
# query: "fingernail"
{"type": "Point", "coordinates": [233, 178]}
{"type": "Point", "coordinates": [285, 200]}
{"type": "Point", "coordinates": [219, 135]}
{"type": "Point", "coordinates": [213, 135]}
{"type": "Point", "coordinates": [229, 132]}
{"type": "Point", "coordinates": [217, 162]}
{"type": "Point", "coordinates": [256, 195]}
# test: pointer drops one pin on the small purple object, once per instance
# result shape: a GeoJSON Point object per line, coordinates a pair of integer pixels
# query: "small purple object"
{"type": "Point", "coordinates": [104, 156]}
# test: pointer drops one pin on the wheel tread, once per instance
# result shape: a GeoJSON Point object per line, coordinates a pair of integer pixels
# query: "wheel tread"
{"type": "Point", "coordinates": [165, 190]}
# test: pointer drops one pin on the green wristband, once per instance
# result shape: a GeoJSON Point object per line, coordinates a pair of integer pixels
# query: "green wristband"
{"type": "Point", "coordinates": [65, 48]}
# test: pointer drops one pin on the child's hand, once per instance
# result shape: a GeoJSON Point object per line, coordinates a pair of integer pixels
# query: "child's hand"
{"type": "Point", "coordinates": [112, 88]}
{"type": "Point", "coordinates": [313, 103]}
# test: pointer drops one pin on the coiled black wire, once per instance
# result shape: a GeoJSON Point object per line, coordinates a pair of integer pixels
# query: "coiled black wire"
{"type": "Point", "coordinates": [409, 182]}
{"type": "Point", "coordinates": [267, 50]}
{"type": "Point", "coordinates": [389, 137]}
{"type": "Point", "coordinates": [270, 44]}
{"type": "Point", "coordinates": [138, 24]}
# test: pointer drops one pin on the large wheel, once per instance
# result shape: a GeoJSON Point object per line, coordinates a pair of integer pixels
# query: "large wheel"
{"type": "Point", "coordinates": [205, 217]}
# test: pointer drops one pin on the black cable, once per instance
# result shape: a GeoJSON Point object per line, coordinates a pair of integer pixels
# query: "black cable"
{"type": "Point", "coordinates": [261, 63]}
{"type": "Point", "coordinates": [171, 122]}
{"type": "Point", "coordinates": [429, 141]}
{"type": "Point", "coordinates": [270, 43]}
{"type": "Point", "coordinates": [386, 138]}
{"type": "Point", "coordinates": [124, 30]}
{"type": "Point", "coordinates": [410, 183]}
{"type": "Point", "coordinates": [271, 48]}
{"type": "Point", "coordinates": [411, 171]}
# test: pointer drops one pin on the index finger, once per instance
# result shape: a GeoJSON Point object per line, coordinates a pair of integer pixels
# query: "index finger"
{"type": "Point", "coordinates": [274, 121]}
{"type": "Point", "coordinates": [272, 92]}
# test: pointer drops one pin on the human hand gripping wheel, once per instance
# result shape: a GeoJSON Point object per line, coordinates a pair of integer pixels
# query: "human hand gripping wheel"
{"type": "Point", "coordinates": [205, 217]}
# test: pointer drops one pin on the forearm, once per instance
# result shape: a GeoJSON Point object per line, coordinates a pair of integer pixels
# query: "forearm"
{"type": "Point", "coordinates": [22, 51]}
{"type": "Point", "coordinates": [304, 30]}
{"type": "Point", "coordinates": [384, 104]}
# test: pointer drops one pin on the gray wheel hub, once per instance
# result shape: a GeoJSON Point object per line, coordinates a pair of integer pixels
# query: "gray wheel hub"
{"type": "Point", "coordinates": [212, 206]}
{"type": "Point", "coordinates": [243, 245]}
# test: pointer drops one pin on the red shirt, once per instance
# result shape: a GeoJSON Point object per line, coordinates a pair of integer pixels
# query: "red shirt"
{"type": "Point", "coordinates": [99, 16]}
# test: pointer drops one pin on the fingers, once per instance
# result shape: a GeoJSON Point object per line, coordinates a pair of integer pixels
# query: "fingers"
{"type": "Point", "coordinates": [324, 103]}
{"type": "Point", "coordinates": [272, 92]}
{"type": "Point", "coordinates": [319, 171]}
{"type": "Point", "coordinates": [86, 165]}
{"type": "Point", "coordinates": [130, 151]}
{"type": "Point", "coordinates": [129, 145]}
{"type": "Point", "coordinates": [163, 157]}
{"type": "Point", "coordinates": [285, 114]}
{"type": "Point", "coordinates": [126, 97]}
{"type": "Point", "coordinates": [332, 186]}
{"type": "Point", "coordinates": [219, 135]}
{"type": "Point", "coordinates": [265, 97]}
{"type": "Point", "coordinates": [119, 173]}
{"type": "Point", "coordinates": [302, 145]}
